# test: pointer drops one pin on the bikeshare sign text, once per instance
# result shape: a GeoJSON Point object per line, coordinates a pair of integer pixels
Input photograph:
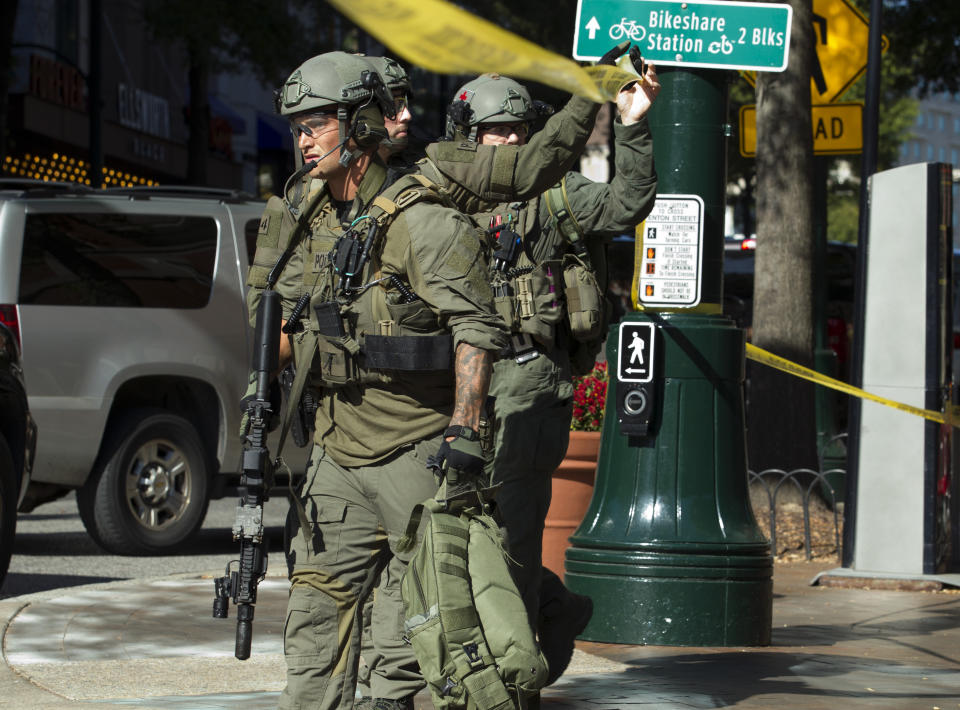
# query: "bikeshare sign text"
{"type": "Point", "coordinates": [704, 33]}
{"type": "Point", "coordinates": [672, 251]}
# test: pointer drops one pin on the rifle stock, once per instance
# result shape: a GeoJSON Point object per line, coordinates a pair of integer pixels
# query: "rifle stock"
{"type": "Point", "coordinates": [255, 483]}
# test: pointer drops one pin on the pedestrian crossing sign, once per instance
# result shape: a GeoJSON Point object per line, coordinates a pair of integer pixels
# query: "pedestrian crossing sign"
{"type": "Point", "coordinates": [635, 354]}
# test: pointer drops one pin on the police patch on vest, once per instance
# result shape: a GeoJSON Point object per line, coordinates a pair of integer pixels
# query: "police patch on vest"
{"type": "Point", "coordinates": [264, 224]}
{"type": "Point", "coordinates": [320, 261]}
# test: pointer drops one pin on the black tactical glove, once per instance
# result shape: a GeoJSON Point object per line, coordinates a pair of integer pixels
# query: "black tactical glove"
{"type": "Point", "coordinates": [460, 459]}
{"type": "Point", "coordinates": [637, 60]}
{"type": "Point", "coordinates": [614, 54]}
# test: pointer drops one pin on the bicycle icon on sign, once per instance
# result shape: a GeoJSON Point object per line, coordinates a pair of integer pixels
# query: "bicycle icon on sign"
{"type": "Point", "coordinates": [628, 28]}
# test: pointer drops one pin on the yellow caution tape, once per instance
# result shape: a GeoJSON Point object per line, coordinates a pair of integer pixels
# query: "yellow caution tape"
{"type": "Point", "coordinates": [444, 39]}
{"type": "Point", "coordinates": [765, 357]}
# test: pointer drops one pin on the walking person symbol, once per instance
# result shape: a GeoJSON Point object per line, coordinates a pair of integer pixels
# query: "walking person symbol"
{"type": "Point", "coordinates": [636, 346]}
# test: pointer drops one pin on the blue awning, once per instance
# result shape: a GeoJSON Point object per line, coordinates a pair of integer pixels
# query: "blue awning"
{"type": "Point", "coordinates": [273, 133]}
{"type": "Point", "coordinates": [221, 109]}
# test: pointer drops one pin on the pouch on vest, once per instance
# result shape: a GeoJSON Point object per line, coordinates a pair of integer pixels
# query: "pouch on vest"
{"type": "Point", "coordinates": [466, 619]}
{"type": "Point", "coordinates": [539, 301]}
{"type": "Point", "coordinates": [505, 302]}
{"type": "Point", "coordinates": [336, 359]}
{"type": "Point", "coordinates": [585, 301]}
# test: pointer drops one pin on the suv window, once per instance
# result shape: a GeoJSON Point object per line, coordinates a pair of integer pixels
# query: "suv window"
{"type": "Point", "coordinates": [110, 259]}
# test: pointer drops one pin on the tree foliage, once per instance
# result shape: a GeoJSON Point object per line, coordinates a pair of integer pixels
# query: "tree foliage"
{"type": "Point", "coordinates": [218, 35]}
{"type": "Point", "coordinates": [925, 40]}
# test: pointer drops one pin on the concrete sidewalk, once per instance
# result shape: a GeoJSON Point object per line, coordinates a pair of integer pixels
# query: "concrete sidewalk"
{"type": "Point", "coordinates": [154, 644]}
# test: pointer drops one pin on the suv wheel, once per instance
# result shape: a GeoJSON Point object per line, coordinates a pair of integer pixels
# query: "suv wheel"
{"type": "Point", "coordinates": [148, 490]}
{"type": "Point", "coordinates": [8, 507]}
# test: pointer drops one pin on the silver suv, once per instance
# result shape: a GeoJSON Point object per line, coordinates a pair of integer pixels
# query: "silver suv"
{"type": "Point", "coordinates": [129, 305]}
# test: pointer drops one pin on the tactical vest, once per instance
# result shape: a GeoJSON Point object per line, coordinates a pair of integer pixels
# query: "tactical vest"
{"type": "Point", "coordinates": [532, 293]}
{"type": "Point", "coordinates": [364, 325]}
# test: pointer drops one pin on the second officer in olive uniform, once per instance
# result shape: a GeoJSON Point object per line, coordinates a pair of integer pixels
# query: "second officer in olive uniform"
{"type": "Point", "coordinates": [398, 333]}
{"type": "Point", "coordinates": [541, 275]}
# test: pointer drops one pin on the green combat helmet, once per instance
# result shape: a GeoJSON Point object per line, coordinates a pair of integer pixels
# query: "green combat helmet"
{"type": "Point", "coordinates": [398, 83]}
{"type": "Point", "coordinates": [394, 75]}
{"type": "Point", "coordinates": [490, 98]}
{"type": "Point", "coordinates": [346, 84]}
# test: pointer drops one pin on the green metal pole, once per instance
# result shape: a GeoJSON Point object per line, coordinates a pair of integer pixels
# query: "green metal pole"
{"type": "Point", "coordinates": [669, 550]}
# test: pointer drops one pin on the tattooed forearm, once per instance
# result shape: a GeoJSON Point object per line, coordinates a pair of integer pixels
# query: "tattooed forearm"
{"type": "Point", "coordinates": [472, 369]}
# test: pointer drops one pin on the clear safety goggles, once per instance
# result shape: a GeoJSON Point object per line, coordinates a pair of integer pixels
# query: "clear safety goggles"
{"type": "Point", "coordinates": [313, 125]}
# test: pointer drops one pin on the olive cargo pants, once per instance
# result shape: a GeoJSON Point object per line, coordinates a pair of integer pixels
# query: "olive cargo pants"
{"type": "Point", "coordinates": [357, 516]}
{"type": "Point", "coordinates": [532, 412]}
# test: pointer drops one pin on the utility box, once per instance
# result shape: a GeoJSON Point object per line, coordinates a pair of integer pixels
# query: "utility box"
{"type": "Point", "coordinates": [903, 480]}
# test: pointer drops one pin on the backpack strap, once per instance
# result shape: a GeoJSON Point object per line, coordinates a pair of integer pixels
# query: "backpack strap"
{"type": "Point", "coordinates": [408, 190]}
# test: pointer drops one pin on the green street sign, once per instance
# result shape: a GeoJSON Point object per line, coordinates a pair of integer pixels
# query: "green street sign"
{"type": "Point", "coordinates": [704, 33]}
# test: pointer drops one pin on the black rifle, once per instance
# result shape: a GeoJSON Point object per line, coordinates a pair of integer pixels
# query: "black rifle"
{"type": "Point", "coordinates": [255, 482]}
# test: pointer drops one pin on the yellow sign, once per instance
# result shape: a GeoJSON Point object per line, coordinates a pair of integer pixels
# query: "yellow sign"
{"type": "Point", "coordinates": [837, 129]}
{"type": "Point", "coordinates": [444, 39]}
{"type": "Point", "coordinates": [840, 33]}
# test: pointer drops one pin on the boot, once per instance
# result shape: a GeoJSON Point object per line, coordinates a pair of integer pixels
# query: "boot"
{"type": "Point", "coordinates": [559, 627]}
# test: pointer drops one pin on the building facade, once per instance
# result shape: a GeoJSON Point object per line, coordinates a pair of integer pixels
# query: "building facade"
{"type": "Point", "coordinates": [936, 138]}
{"type": "Point", "coordinates": [143, 98]}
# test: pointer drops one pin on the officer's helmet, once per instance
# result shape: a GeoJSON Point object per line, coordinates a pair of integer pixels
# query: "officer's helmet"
{"type": "Point", "coordinates": [490, 98]}
{"type": "Point", "coordinates": [343, 83]}
{"type": "Point", "coordinates": [393, 75]}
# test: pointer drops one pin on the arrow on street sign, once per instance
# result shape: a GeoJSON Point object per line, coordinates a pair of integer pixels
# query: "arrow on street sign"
{"type": "Point", "coordinates": [716, 34]}
{"type": "Point", "coordinates": [592, 27]}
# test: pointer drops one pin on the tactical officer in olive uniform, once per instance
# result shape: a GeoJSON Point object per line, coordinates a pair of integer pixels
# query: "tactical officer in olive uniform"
{"type": "Point", "coordinates": [465, 169]}
{"type": "Point", "coordinates": [397, 80]}
{"type": "Point", "coordinates": [542, 277]}
{"type": "Point", "coordinates": [388, 308]}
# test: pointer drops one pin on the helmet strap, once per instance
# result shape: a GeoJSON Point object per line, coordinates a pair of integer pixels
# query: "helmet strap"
{"type": "Point", "coordinates": [346, 129]}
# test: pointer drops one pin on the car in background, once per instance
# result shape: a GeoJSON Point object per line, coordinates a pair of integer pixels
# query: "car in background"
{"type": "Point", "coordinates": [129, 306]}
{"type": "Point", "coordinates": [18, 440]}
{"type": "Point", "coordinates": [840, 266]}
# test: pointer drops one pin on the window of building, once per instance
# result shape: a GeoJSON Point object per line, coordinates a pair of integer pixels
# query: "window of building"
{"type": "Point", "coordinates": [121, 260]}
{"type": "Point", "coordinates": [916, 150]}
{"type": "Point", "coordinates": [941, 122]}
{"type": "Point", "coordinates": [942, 154]}
{"type": "Point", "coordinates": [930, 153]}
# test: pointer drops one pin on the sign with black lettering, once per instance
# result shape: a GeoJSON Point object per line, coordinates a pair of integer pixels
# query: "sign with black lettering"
{"type": "Point", "coordinates": [667, 266]}
{"type": "Point", "coordinates": [635, 354]}
{"type": "Point", "coordinates": [837, 129]}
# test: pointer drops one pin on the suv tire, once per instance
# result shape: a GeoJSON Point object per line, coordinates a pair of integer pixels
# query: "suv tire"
{"type": "Point", "coordinates": [148, 490]}
{"type": "Point", "coordinates": [8, 507]}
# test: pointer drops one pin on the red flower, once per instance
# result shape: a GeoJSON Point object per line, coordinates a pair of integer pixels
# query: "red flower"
{"type": "Point", "coordinates": [589, 399]}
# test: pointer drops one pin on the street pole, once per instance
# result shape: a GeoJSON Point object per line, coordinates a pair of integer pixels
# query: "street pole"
{"type": "Point", "coordinates": [669, 550]}
{"type": "Point", "coordinates": [871, 130]}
